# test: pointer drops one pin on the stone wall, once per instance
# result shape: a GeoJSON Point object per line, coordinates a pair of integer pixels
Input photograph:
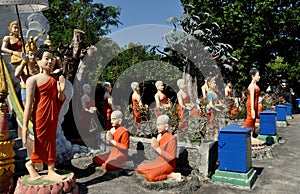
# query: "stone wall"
{"type": "Point", "coordinates": [190, 157]}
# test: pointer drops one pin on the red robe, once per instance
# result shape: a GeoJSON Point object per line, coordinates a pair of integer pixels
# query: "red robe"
{"type": "Point", "coordinates": [45, 118]}
{"type": "Point", "coordinates": [164, 164]}
{"type": "Point", "coordinates": [136, 111]}
{"type": "Point", "coordinates": [249, 121]}
{"type": "Point", "coordinates": [118, 155]}
{"type": "Point", "coordinates": [107, 113]}
{"type": "Point", "coordinates": [86, 117]}
{"type": "Point", "coordinates": [163, 101]}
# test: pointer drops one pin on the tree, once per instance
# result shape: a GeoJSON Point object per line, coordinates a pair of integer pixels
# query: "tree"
{"type": "Point", "coordinates": [92, 18]}
{"type": "Point", "coordinates": [259, 31]}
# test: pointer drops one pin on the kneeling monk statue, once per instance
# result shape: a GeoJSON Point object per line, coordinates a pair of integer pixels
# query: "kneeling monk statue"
{"type": "Point", "coordinates": [165, 145]}
{"type": "Point", "coordinates": [118, 137]}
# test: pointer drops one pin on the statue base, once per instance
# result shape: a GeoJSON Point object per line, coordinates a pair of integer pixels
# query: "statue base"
{"type": "Point", "coordinates": [281, 124]}
{"type": "Point", "coordinates": [236, 178]}
{"type": "Point", "coordinates": [68, 185]}
{"type": "Point", "coordinates": [166, 184]}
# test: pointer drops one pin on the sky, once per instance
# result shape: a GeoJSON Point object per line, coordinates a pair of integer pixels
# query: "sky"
{"type": "Point", "coordinates": [144, 21]}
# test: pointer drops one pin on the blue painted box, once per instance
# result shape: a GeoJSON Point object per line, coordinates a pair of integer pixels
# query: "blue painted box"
{"type": "Point", "coordinates": [281, 112]}
{"type": "Point", "coordinates": [234, 148]}
{"type": "Point", "coordinates": [267, 124]}
{"type": "Point", "coordinates": [288, 109]}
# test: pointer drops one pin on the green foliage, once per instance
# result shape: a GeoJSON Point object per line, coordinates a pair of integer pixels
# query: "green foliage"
{"type": "Point", "coordinates": [93, 18]}
{"type": "Point", "coordinates": [259, 31]}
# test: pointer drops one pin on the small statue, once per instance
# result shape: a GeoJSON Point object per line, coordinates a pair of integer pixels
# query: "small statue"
{"type": "Point", "coordinates": [161, 99]}
{"type": "Point", "coordinates": [137, 106]}
{"type": "Point", "coordinates": [12, 44]}
{"type": "Point", "coordinates": [184, 105]}
{"type": "Point", "coordinates": [118, 137]}
{"type": "Point", "coordinates": [107, 105]}
{"type": "Point", "coordinates": [252, 100]}
{"type": "Point", "coordinates": [28, 65]}
{"type": "Point", "coordinates": [88, 109]}
{"type": "Point", "coordinates": [165, 145]}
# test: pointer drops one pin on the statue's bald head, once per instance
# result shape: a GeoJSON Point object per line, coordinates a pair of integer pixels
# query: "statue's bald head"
{"type": "Point", "coordinates": [118, 114]}
{"type": "Point", "coordinates": [163, 119]}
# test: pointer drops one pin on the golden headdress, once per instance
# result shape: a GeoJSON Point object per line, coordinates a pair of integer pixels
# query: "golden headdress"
{"type": "Point", "coordinates": [30, 45]}
{"type": "Point", "coordinates": [48, 41]}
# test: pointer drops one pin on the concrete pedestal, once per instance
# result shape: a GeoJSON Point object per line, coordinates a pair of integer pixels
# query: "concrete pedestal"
{"type": "Point", "coordinates": [236, 178]}
{"type": "Point", "coordinates": [281, 111]}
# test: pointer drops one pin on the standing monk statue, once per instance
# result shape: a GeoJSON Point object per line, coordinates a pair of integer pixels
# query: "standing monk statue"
{"type": "Point", "coordinates": [165, 145]}
{"type": "Point", "coordinates": [44, 99]}
{"type": "Point", "coordinates": [252, 100]}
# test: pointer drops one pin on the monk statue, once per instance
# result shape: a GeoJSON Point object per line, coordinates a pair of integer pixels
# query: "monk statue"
{"type": "Point", "coordinates": [44, 98]}
{"type": "Point", "coordinates": [137, 106]}
{"type": "Point", "coordinates": [32, 68]}
{"type": "Point", "coordinates": [88, 109]}
{"type": "Point", "coordinates": [107, 105]}
{"type": "Point", "coordinates": [165, 145]}
{"type": "Point", "coordinates": [184, 106]}
{"type": "Point", "coordinates": [161, 99]}
{"type": "Point", "coordinates": [252, 100]}
{"type": "Point", "coordinates": [118, 137]}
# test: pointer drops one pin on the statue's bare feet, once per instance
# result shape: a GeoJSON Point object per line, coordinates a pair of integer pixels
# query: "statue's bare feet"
{"type": "Point", "coordinates": [32, 172]}
{"type": "Point", "coordinates": [53, 176]}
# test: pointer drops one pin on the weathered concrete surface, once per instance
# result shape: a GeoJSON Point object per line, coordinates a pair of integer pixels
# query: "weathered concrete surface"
{"type": "Point", "coordinates": [280, 174]}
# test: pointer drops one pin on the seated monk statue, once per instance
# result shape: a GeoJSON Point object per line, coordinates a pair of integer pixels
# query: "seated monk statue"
{"type": "Point", "coordinates": [161, 100]}
{"type": "Point", "coordinates": [44, 99]}
{"type": "Point", "coordinates": [165, 145]}
{"type": "Point", "coordinates": [118, 137]}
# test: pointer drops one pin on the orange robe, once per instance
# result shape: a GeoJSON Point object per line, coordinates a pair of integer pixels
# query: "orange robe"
{"type": "Point", "coordinates": [107, 113]}
{"type": "Point", "coordinates": [164, 164]}
{"type": "Point", "coordinates": [86, 117]}
{"type": "Point", "coordinates": [118, 155]}
{"type": "Point", "coordinates": [182, 114]}
{"type": "Point", "coordinates": [136, 111]}
{"type": "Point", "coordinates": [249, 121]}
{"type": "Point", "coordinates": [260, 109]}
{"type": "Point", "coordinates": [45, 118]}
{"type": "Point", "coordinates": [163, 101]}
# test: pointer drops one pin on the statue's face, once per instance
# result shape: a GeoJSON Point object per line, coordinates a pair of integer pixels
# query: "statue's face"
{"type": "Point", "coordinates": [256, 77]}
{"type": "Point", "coordinates": [161, 125]}
{"type": "Point", "coordinates": [160, 87]}
{"type": "Point", "coordinates": [15, 29]}
{"type": "Point", "coordinates": [115, 120]}
{"type": "Point", "coordinates": [46, 63]}
{"type": "Point", "coordinates": [31, 57]}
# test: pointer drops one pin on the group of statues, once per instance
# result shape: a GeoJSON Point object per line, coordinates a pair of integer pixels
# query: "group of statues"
{"type": "Point", "coordinates": [42, 95]}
